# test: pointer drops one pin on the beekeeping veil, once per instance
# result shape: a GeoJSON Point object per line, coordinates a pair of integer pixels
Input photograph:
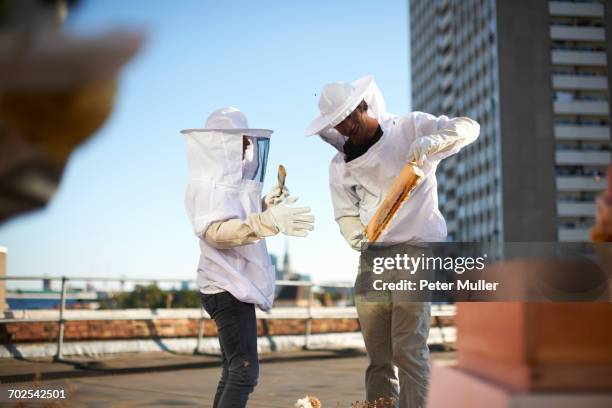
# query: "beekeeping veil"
{"type": "Point", "coordinates": [227, 163]}
{"type": "Point", "coordinates": [225, 154]}
{"type": "Point", "coordinates": [338, 100]}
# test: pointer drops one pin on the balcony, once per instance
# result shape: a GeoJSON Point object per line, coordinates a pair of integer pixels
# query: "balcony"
{"type": "Point", "coordinates": [444, 22]}
{"type": "Point", "coordinates": [450, 205]}
{"type": "Point", "coordinates": [442, 4]}
{"type": "Point", "coordinates": [582, 107]}
{"type": "Point", "coordinates": [445, 62]}
{"type": "Point", "coordinates": [573, 234]}
{"type": "Point", "coordinates": [447, 103]}
{"type": "Point", "coordinates": [584, 58]}
{"type": "Point", "coordinates": [599, 83]}
{"type": "Point", "coordinates": [578, 132]}
{"type": "Point", "coordinates": [558, 8]}
{"type": "Point", "coordinates": [582, 158]}
{"type": "Point", "coordinates": [444, 42]}
{"type": "Point", "coordinates": [446, 83]}
{"type": "Point", "coordinates": [573, 33]}
{"type": "Point", "coordinates": [565, 209]}
{"type": "Point", "coordinates": [578, 183]}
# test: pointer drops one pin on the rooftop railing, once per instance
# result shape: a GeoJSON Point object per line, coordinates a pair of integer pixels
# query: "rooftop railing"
{"type": "Point", "coordinates": [307, 312]}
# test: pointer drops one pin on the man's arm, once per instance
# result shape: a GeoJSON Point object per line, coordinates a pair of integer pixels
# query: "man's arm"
{"type": "Point", "coordinates": [346, 207]}
{"type": "Point", "coordinates": [440, 137]}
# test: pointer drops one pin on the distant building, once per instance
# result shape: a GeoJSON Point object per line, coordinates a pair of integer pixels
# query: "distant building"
{"type": "Point", "coordinates": [286, 262]}
{"type": "Point", "coordinates": [45, 299]}
{"type": "Point", "coordinates": [278, 272]}
{"type": "Point", "coordinates": [47, 285]}
{"type": "Point", "coordinates": [534, 74]}
{"type": "Point", "coordinates": [290, 295]}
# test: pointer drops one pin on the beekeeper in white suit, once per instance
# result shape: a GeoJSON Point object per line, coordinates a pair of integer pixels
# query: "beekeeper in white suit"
{"type": "Point", "coordinates": [373, 146]}
{"type": "Point", "coordinates": [227, 163]}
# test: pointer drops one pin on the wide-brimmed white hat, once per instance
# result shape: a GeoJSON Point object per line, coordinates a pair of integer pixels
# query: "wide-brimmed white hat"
{"type": "Point", "coordinates": [229, 120]}
{"type": "Point", "coordinates": [337, 101]}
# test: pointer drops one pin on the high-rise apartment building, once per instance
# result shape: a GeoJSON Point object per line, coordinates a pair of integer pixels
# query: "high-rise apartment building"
{"type": "Point", "coordinates": [534, 74]}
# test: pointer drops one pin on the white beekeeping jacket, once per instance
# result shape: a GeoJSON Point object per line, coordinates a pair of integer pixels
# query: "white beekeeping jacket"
{"type": "Point", "coordinates": [223, 186]}
{"type": "Point", "coordinates": [359, 186]}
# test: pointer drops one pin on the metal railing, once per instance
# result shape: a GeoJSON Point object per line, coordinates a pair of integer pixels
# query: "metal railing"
{"type": "Point", "coordinates": [305, 312]}
{"type": "Point", "coordinates": [62, 319]}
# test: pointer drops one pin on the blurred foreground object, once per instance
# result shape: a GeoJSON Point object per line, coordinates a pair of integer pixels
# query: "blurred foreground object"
{"type": "Point", "coordinates": [3, 254]}
{"type": "Point", "coordinates": [527, 354]}
{"type": "Point", "coordinates": [602, 231]}
{"type": "Point", "coordinates": [56, 90]}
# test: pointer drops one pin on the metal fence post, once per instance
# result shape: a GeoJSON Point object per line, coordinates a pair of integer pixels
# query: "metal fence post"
{"type": "Point", "coordinates": [61, 321]}
{"type": "Point", "coordinates": [309, 321]}
{"type": "Point", "coordinates": [200, 331]}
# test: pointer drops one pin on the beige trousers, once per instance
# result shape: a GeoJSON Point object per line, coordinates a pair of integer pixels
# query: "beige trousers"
{"type": "Point", "coordinates": [395, 334]}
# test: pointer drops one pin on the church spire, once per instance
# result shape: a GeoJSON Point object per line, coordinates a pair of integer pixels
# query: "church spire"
{"type": "Point", "coordinates": [286, 262]}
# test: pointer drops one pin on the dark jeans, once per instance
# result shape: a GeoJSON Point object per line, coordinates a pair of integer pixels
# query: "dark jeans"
{"type": "Point", "coordinates": [237, 330]}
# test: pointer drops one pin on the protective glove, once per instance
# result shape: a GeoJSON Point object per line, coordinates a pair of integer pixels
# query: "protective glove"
{"type": "Point", "coordinates": [423, 147]}
{"type": "Point", "coordinates": [355, 240]}
{"type": "Point", "coordinates": [352, 231]}
{"type": "Point", "coordinates": [275, 196]}
{"type": "Point", "coordinates": [292, 221]}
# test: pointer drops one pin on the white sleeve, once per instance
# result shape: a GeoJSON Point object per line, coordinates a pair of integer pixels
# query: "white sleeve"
{"type": "Point", "coordinates": [450, 134]}
{"type": "Point", "coordinates": [343, 195]}
{"type": "Point", "coordinates": [204, 206]}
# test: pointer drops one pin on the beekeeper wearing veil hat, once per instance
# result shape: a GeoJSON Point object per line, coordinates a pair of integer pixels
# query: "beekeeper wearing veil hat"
{"type": "Point", "coordinates": [227, 164]}
{"type": "Point", "coordinates": [373, 147]}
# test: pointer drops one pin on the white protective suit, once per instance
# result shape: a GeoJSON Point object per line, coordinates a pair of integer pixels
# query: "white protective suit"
{"type": "Point", "coordinates": [223, 186]}
{"type": "Point", "coordinates": [359, 186]}
{"type": "Point", "coordinates": [394, 332]}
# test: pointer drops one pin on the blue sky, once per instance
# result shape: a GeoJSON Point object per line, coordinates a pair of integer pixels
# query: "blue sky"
{"type": "Point", "coordinates": [119, 210]}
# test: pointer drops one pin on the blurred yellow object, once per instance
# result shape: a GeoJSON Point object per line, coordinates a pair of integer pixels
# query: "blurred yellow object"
{"type": "Point", "coordinates": [599, 235]}
{"type": "Point", "coordinates": [602, 231]}
{"type": "Point", "coordinates": [60, 120]}
{"type": "Point", "coordinates": [56, 90]}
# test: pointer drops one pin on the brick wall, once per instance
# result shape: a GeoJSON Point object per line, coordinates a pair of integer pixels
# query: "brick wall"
{"type": "Point", "coordinates": [167, 328]}
{"type": "Point", "coordinates": [145, 329]}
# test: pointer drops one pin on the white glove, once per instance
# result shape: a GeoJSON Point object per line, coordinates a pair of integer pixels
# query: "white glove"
{"type": "Point", "coordinates": [355, 240]}
{"type": "Point", "coordinates": [275, 196]}
{"type": "Point", "coordinates": [292, 221]}
{"type": "Point", "coordinates": [352, 231]}
{"type": "Point", "coordinates": [422, 147]}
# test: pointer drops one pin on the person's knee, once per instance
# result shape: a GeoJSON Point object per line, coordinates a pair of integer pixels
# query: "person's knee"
{"type": "Point", "coordinates": [411, 356]}
{"type": "Point", "coordinates": [252, 372]}
{"type": "Point", "coordinates": [244, 372]}
{"type": "Point", "coordinates": [385, 368]}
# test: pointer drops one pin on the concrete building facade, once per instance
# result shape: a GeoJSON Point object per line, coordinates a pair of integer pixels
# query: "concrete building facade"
{"type": "Point", "coordinates": [534, 74]}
